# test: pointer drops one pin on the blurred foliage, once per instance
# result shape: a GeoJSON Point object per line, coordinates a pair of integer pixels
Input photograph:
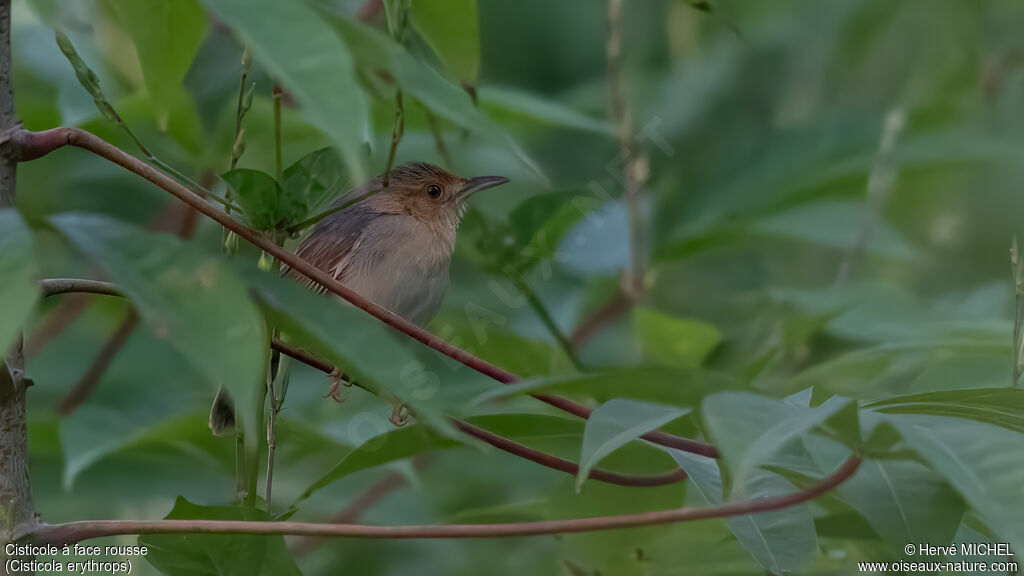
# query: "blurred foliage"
{"type": "Point", "coordinates": [824, 278]}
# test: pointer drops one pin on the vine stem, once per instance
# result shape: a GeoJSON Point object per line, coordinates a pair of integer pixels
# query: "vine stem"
{"type": "Point", "coordinates": [71, 532]}
{"type": "Point", "coordinates": [54, 286]}
{"type": "Point", "coordinates": [34, 145]}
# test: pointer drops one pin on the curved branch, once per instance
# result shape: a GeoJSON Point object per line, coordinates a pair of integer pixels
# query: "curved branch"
{"type": "Point", "coordinates": [32, 145]}
{"type": "Point", "coordinates": [67, 285]}
{"type": "Point", "coordinates": [72, 532]}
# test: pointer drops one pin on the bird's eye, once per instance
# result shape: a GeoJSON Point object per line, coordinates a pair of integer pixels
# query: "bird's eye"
{"type": "Point", "coordinates": [434, 190]}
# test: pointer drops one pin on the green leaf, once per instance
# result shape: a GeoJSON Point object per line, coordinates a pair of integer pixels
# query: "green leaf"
{"type": "Point", "coordinates": [902, 500]}
{"type": "Point", "coordinates": [648, 383]}
{"type": "Point", "coordinates": [223, 555]}
{"type": "Point", "coordinates": [499, 346]}
{"type": "Point", "coordinates": [452, 30]}
{"type": "Point", "coordinates": [519, 103]}
{"type": "Point", "coordinates": [374, 50]}
{"type": "Point", "coordinates": [18, 290]}
{"type": "Point", "coordinates": [616, 423]}
{"type": "Point", "coordinates": [403, 443]}
{"type": "Point", "coordinates": [750, 430]}
{"type": "Point", "coordinates": [391, 446]}
{"type": "Point", "coordinates": [673, 341]}
{"type": "Point", "coordinates": [298, 48]}
{"type": "Point", "coordinates": [167, 35]}
{"type": "Point", "coordinates": [187, 298]}
{"type": "Point", "coordinates": [779, 541]}
{"type": "Point", "coordinates": [982, 462]}
{"type": "Point", "coordinates": [1000, 406]}
{"type": "Point", "coordinates": [265, 204]}
{"type": "Point", "coordinates": [315, 179]}
{"type": "Point", "coordinates": [366, 349]}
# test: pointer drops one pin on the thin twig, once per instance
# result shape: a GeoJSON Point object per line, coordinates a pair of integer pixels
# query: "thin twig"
{"type": "Point", "coordinates": [547, 319]}
{"type": "Point", "coordinates": [880, 181]}
{"type": "Point", "coordinates": [634, 166]}
{"type": "Point", "coordinates": [609, 312]}
{"type": "Point", "coordinates": [87, 383]}
{"type": "Point", "coordinates": [435, 129]}
{"type": "Point", "coordinates": [72, 532]}
{"type": "Point", "coordinates": [33, 145]}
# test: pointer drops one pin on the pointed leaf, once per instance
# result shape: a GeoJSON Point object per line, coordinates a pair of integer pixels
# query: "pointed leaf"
{"type": "Point", "coordinates": [167, 35]}
{"type": "Point", "coordinates": [187, 298]}
{"type": "Point", "coordinates": [299, 48]}
{"type": "Point", "coordinates": [779, 541]}
{"type": "Point", "coordinates": [264, 203]}
{"type": "Point", "coordinates": [223, 555]}
{"type": "Point", "coordinates": [984, 463]}
{"type": "Point", "coordinates": [616, 423]}
{"type": "Point", "coordinates": [1000, 406]}
{"type": "Point", "coordinates": [750, 430]}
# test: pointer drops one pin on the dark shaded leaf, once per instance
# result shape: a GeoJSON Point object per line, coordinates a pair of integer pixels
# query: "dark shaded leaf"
{"type": "Point", "coordinates": [18, 290]}
{"type": "Point", "coordinates": [222, 555]}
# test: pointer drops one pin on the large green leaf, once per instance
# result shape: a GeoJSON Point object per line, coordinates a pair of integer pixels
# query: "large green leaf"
{"type": "Point", "coordinates": [779, 541]}
{"type": "Point", "coordinates": [298, 48]}
{"type": "Point", "coordinates": [222, 555]}
{"type": "Point", "coordinates": [374, 50]}
{"type": "Point", "coordinates": [187, 298]}
{"type": "Point", "coordinates": [167, 35]}
{"type": "Point", "coordinates": [616, 423]}
{"type": "Point", "coordinates": [902, 500]}
{"type": "Point", "coordinates": [647, 383]}
{"type": "Point", "coordinates": [391, 446]}
{"type": "Point", "coordinates": [750, 430]}
{"type": "Point", "coordinates": [1000, 406]}
{"type": "Point", "coordinates": [407, 442]}
{"type": "Point", "coordinates": [18, 291]}
{"type": "Point", "coordinates": [984, 463]}
{"type": "Point", "coordinates": [363, 347]}
{"type": "Point", "coordinates": [315, 179]}
{"type": "Point", "coordinates": [452, 30]}
{"type": "Point", "coordinates": [673, 341]}
{"type": "Point", "coordinates": [263, 201]}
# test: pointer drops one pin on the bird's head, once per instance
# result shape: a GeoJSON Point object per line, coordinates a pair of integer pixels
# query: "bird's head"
{"type": "Point", "coordinates": [428, 193]}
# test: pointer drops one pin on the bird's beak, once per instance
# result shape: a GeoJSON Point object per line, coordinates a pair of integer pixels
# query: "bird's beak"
{"type": "Point", "coordinates": [474, 185]}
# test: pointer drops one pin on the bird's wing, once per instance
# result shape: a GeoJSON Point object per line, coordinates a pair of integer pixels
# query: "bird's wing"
{"type": "Point", "coordinates": [332, 243]}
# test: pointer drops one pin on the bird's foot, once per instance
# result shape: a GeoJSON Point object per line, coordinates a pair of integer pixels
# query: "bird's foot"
{"type": "Point", "coordinates": [337, 379]}
{"type": "Point", "coordinates": [399, 414]}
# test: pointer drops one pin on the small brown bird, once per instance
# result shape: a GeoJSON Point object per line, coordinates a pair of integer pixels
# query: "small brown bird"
{"type": "Point", "coordinates": [394, 247]}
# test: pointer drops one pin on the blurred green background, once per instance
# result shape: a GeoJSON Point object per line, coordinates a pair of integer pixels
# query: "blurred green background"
{"type": "Point", "coordinates": [788, 226]}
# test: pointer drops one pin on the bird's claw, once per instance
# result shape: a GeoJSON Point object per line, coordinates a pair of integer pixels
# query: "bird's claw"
{"type": "Point", "coordinates": [399, 414]}
{"type": "Point", "coordinates": [337, 378]}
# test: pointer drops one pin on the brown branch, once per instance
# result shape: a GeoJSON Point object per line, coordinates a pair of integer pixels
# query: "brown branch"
{"type": "Point", "coordinates": [34, 145]}
{"type": "Point", "coordinates": [369, 10]}
{"type": "Point", "coordinates": [502, 443]}
{"type": "Point", "coordinates": [56, 322]}
{"type": "Point", "coordinates": [72, 532]}
{"type": "Point", "coordinates": [608, 313]}
{"type": "Point", "coordinates": [87, 383]}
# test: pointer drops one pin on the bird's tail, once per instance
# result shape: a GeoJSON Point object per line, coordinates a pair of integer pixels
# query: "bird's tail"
{"type": "Point", "coordinates": [222, 413]}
